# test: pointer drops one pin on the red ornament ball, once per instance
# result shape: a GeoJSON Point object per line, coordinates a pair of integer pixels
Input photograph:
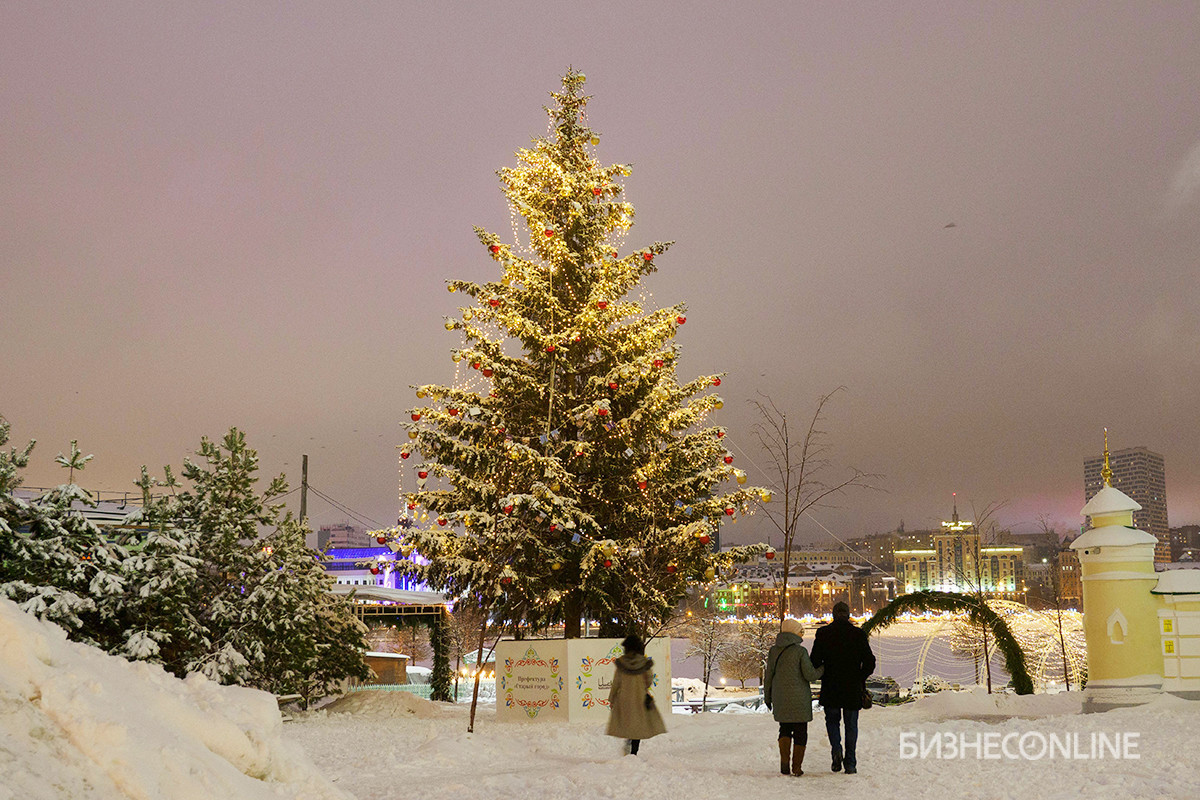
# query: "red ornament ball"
{"type": "Point", "coordinates": [613, 254]}
{"type": "Point", "coordinates": [553, 528]}
{"type": "Point", "coordinates": [681, 319]}
{"type": "Point", "coordinates": [642, 484]}
{"type": "Point", "coordinates": [716, 381]}
{"type": "Point", "coordinates": [704, 539]}
{"type": "Point", "coordinates": [475, 365]}
{"type": "Point", "coordinates": [441, 520]}
{"type": "Point", "coordinates": [423, 474]}
{"type": "Point", "coordinates": [411, 506]}
{"type": "Point", "coordinates": [671, 568]}
{"type": "Point", "coordinates": [728, 459]}
{"type": "Point", "coordinates": [381, 539]}
{"type": "Point", "coordinates": [493, 302]}
{"type": "Point", "coordinates": [508, 509]}
{"type": "Point", "coordinates": [770, 554]}
{"type": "Point", "coordinates": [374, 570]}
{"type": "Point", "coordinates": [495, 248]}
{"type": "Point", "coordinates": [720, 434]}
{"type": "Point", "coordinates": [452, 412]}
{"type": "Point", "coordinates": [602, 304]}
{"type": "Point", "coordinates": [416, 417]}
{"type": "Point", "coordinates": [549, 231]}
{"type": "Point", "coordinates": [550, 348]}
{"type": "Point", "coordinates": [487, 373]}
{"type": "Point", "coordinates": [608, 562]}
{"type": "Point", "coordinates": [596, 190]}
{"type": "Point", "coordinates": [603, 412]}
{"type": "Point", "coordinates": [614, 386]}
{"type": "Point", "coordinates": [729, 512]}
{"type": "Point", "coordinates": [405, 454]}
{"type": "Point", "coordinates": [648, 256]}
{"type": "Point", "coordinates": [506, 580]}
{"type": "Point", "coordinates": [658, 362]}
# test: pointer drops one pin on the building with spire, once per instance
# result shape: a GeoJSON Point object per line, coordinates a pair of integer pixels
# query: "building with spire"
{"type": "Point", "coordinates": [1139, 473]}
{"type": "Point", "coordinates": [1142, 627]}
{"type": "Point", "coordinates": [959, 562]}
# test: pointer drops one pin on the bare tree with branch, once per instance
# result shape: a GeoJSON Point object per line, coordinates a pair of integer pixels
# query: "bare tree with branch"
{"type": "Point", "coordinates": [800, 465]}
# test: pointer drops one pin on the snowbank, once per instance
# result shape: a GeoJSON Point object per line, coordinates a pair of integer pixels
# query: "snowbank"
{"type": "Point", "coordinates": [76, 723]}
{"type": "Point", "coordinates": [383, 703]}
{"type": "Point", "coordinates": [978, 704]}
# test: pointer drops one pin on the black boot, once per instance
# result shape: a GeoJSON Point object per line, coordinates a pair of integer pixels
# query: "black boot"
{"type": "Point", "coordinates": [836, 766]}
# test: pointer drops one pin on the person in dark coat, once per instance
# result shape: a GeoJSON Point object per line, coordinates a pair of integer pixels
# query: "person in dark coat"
{"type": "Point", "coordinates": [842, 649]}
{"type": "Point", "coordinates": [632, 715]}
{"type": "Point", "coordinates": [788, 693]}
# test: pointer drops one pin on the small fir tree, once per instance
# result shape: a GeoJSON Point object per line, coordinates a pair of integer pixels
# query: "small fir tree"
{"type": "Point", "coordinates": [54, 562]}
{"type": "Point", "coordinates": [572, 471]}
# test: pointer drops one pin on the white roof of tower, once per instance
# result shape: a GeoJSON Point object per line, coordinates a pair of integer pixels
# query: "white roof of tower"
{"type": "Point", "coordinates": [1112, 536]}
{"type": "Point", "coordinates": [1109, 501]}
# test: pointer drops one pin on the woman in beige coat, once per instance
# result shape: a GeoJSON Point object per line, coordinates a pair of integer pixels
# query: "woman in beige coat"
{"type": "Point", "coordinates": [632, 713]}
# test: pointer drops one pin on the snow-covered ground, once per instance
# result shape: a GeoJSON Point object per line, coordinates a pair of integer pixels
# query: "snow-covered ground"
{"type": "Point", "coordinates": [77, 724]}
{"type": "Point", "coordinates": [376, 754]}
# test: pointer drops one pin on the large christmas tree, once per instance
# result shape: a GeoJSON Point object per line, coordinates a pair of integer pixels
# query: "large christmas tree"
{"type": "Point", "coordinates": [571, 472]}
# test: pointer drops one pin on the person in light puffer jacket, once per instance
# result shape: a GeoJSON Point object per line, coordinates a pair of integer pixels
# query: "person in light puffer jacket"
{"type": "Point", "coordinates": [788, 693]}
{"type": "Point", "coordinates": [631, 716]}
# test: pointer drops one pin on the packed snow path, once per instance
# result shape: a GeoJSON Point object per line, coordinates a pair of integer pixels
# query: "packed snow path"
{"type": "Point", "coordinates": [380, 751]}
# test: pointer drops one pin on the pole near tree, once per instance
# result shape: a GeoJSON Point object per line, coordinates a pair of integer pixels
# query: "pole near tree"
{"type": "Point", "coordinates": [303, 488]}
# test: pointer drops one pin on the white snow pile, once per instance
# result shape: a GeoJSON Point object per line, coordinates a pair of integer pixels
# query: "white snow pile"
{"type": "Point", "coordinates": [77, 723]}
{"type": "Point", "coordinates": [383, 703]}
{"type": "Point", "coordinates": [693, 688]}
{"type": "Point", "coordinates": [978, 704]}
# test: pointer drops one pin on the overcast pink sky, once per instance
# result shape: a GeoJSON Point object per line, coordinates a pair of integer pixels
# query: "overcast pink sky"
{"type": "Point", "coordinates": [245, 214]}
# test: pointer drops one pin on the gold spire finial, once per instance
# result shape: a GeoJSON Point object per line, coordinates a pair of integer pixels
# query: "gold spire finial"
{"type": "Point", "coordinates": [1106, 470]}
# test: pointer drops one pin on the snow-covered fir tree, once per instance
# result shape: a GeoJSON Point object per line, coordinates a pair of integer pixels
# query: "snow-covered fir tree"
{"type": "Point", "coordinates": [162, 616]}
{"type": "Point", "coordinates": [313, 641]}
{"type": "Point", "coordinates": [568, 471]}
{"type": "Point", "coordinates": [54, 563]}
{"type": "Point", "coordinates": [263, 605]}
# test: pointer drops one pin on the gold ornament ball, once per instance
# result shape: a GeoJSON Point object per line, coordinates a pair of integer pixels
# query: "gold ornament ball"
{"type": "Point", "coordinates": [741, 478]}
{"type": "Point", "coordinates": [420, 394]}
{"type": "Point", "coordinates": [456, 358]}
{"type": "Point", "coordinates": [556, 566]}
{"type": "Point", "coordinates": [719, 404]}
{"type": "Point", "coordinates": [710, 573]}
{"type": "Point", "coordinates": [449, 325]}
{"type": "Point", "coordinates": [467, 316]}
{"type": "Point", "coordinates": [412, 434]}
{"type": "Point", "coordinates": [595, 140]}
{"type": "Point", "coordinates": [767, 497]}
{"type": "Point", "coordinates": [451, 289]}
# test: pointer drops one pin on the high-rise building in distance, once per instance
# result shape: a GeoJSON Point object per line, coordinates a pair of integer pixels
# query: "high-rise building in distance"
{"type": "Point", "coordinates": [342, 535]}
{"type": "Point", "coordinates": [1141, 474]}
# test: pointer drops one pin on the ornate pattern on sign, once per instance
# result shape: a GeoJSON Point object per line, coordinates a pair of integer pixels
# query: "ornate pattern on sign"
{"type": "Point", "coordinates": [508, 683]}
{"type": "Point", "coordinates": [593, 694]}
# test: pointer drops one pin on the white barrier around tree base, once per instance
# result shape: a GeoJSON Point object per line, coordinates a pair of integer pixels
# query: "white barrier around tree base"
{"type": "Point", "coordinates": [568, 680]}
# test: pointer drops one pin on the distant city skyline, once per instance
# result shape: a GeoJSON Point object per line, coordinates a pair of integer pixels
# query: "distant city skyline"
{"type": "Point", "coordinates": [982, 221]}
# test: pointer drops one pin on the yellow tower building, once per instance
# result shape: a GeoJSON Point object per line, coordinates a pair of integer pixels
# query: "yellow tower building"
{"type": "Point", "coordinates": [1120, 613]}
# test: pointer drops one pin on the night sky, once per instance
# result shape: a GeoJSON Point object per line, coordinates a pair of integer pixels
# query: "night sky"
{"type": "Point", "coordinates": [983, 220]}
